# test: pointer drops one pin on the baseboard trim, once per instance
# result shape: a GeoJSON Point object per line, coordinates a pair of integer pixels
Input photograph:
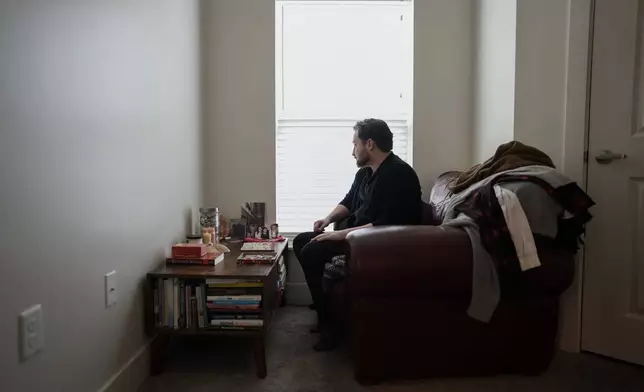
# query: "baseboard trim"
{"type": "Point", "coordinates": [132, 374]}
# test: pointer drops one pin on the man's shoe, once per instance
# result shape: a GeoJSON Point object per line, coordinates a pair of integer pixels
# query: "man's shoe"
{"type": "Point", "coordinates": [318, 327]}
{"type": "Point", "coordinates": [329, 337]}
{"type": "Point", "coordinates": [327, 342]}
{"type": "Point", "coordinates": [312, 307]}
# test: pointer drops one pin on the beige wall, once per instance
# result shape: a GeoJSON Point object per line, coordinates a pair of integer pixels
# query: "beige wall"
{"type": "Point", "coordinates": [443, 86]}
{"type": "Point", "coordinates": [541, 70]}
{"type": "Point", "coordinates": [239, 105]}
{"type": "Point", "coordinates": [495, 25]}
{"type": "Point", "coordinates": [99, 164]}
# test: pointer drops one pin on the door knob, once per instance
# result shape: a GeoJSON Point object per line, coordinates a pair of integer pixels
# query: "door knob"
{"type": "Point", "coordinates": [607, 156]}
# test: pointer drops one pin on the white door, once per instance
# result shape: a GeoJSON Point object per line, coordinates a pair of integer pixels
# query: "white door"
{"type": "Point", "coordinates": [613, 299]}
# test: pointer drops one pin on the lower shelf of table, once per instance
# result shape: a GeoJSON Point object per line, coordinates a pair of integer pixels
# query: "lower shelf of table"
{"type": "Point", "coordinates": [212, 332]}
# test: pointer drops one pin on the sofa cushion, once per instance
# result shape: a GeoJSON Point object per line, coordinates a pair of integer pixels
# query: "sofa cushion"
{"type": "Point", "coordinates": [440, 193]}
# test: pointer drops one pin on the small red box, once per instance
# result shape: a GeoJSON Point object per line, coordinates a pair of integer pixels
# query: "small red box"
{"type": "Point", "coordinates": [188, 251]}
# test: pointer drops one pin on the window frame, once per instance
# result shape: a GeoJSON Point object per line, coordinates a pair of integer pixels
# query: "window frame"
{"type": "Point", "coordinates": [282, 116]}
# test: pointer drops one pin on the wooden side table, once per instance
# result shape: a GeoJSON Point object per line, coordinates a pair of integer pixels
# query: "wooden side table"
{"type": "Point", "coordinates": [227, 269]}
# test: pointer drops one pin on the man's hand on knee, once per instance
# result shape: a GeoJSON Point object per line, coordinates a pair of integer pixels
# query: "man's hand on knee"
{"type": "Point", "coordinates": [340, 235]}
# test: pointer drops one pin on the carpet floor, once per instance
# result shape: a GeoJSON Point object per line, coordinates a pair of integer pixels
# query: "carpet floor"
{"type": "Point", "coordinates": [201, 364]}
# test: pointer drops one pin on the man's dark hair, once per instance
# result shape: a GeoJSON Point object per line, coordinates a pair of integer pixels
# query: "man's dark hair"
{"type": "Point", "coordinates": [376, 130]}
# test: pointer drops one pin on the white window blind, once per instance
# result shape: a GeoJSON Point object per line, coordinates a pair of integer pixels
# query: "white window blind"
{"type": "Point", "coordinates": [337, 62]}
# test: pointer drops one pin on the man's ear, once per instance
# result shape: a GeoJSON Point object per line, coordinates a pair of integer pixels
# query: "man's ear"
{"type": "Point", "coordinates": [371, 145]}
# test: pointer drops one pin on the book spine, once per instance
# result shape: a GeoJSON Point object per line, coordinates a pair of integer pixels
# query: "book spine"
{"type": "Point", "coordinates": [227, 316]}
{"type": "Point", "coordinates": [232, 307]}
{"type": "Point", "coordinates": [161, 301]}
{"type": "Point", "coordinates": [238, 323]}
{"type": "Point", "coordinates": [193, 302]}
{"type": "Point", "coordinates": [155, 295]}
{"type": "Point", "coordinates": [182, 304]}
{"type": "Point", "coordinates": [204, 316]}
{"type": "Point", "coordinates": [168, 301]}
{"type": "Point", "coordinates": [234, 297]}
{"type": "Point", "coordinates": [231, 328]}
{"type": "Point", "coordinates": [199, 307]}
{"type": "Point", "coordinates": [194, 261]}
{"type": "Point", "coordinates": [234, 302]}
{"type": "Point", "coordinates": [175, 318]}
{"type": "Point", "coordinates": [188, 306]}
{"type": "Point", "coordinates": [193, 312]}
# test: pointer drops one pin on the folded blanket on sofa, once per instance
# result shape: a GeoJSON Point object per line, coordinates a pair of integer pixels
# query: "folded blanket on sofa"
{"type": "Point", "coordinates": [508, 156]}
{"type": "Point", "coordinates": [550, 203]}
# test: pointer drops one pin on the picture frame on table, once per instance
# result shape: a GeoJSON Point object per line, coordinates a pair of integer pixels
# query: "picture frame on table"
{"type": "Point", "coordinates": [274, 231]}
{"type": "Point", "coordinates": [238, 229]}
{"type": "Point", "coordinates": [251, 230]}
{"type": "Point", "coordinates": [254, 213]}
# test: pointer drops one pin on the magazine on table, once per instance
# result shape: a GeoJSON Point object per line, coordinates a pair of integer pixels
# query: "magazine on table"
{"type": "Point", "coordinates": [258, 247]}
{"type": "Point", "coordinates": [257, 258]}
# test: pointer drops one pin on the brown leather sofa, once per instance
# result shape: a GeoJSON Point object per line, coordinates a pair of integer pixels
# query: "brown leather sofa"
{"type": "Point", "coordinates": [405, 299]}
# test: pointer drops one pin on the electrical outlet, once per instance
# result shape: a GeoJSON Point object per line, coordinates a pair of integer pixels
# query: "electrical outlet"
{"type": "Point", "coordinates": [110, 289]}
{"type": "Point", "coordinates": [31, 332]}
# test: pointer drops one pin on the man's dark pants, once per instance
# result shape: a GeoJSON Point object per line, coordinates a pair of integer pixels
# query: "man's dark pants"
{"type": "Point", "coordinates": [312, 257]}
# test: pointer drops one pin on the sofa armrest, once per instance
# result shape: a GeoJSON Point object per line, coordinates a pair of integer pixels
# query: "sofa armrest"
{"type": "Point", "coordinates": [410, 261]}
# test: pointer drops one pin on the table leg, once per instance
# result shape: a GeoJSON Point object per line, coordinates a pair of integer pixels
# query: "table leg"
{"type": "Point", "coordinates": [260, 357]}
{"type": "Point", "coordinates": [158, 353]}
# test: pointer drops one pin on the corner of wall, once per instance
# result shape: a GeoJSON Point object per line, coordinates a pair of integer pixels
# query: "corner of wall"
{"type": "Point", "coordinates": [475, 82]}
{"type": "Point", "coordinates": [203, 99]}
{"type": "Point", "coordinates": [132, 374]}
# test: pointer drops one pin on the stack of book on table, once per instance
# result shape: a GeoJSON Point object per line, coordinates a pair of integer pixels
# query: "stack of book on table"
{"type": "Point", "coordinates": [234, 304]}
{"type": "Point", "coordinates": [194, 254]}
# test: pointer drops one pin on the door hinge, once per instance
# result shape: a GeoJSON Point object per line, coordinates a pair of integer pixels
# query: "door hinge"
{"type": "Point", "coordinates": [401, 17]}
{"type": "Point", "coordinates": [586, 156]}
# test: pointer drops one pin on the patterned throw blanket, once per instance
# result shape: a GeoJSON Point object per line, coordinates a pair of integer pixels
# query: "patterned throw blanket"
{"type": "Point", "coordinates": [508, 156]}
{"type": "Point", "coordinates": [334, 271]}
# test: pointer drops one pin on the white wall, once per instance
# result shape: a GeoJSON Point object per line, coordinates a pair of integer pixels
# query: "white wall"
{"type": "Point", "coordinates": [495, 36]}
{"type": "Point", "coordinates": [239, 104]}
{"type": "Point", "coordinates": [521, 75]}
{"type": "Point", "coordinates": [99, 165]}
{"type": "Point", "coordinates": [541, 71]}
{"type": "Point", "coordinates": [443, 85]}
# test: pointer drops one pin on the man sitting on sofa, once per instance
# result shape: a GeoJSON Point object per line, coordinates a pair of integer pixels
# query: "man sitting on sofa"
{"type": "Point", "coordinates": [386, 191]}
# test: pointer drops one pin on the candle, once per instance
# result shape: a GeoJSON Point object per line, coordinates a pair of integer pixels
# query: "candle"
{"type": "Point", "coordinates": [207, 238]}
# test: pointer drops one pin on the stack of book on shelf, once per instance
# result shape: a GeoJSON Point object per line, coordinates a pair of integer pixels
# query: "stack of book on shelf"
{"type": "Point", "coordinates": [179, 303]}
{"type": "Point", "coordinates": [257, 253]}
{"type": "Point", "coordinates": [234, 304]}
{"type": "Point", "coordinates": [194, 254]}
{"type": "Point", "coordinates": [216, 304]}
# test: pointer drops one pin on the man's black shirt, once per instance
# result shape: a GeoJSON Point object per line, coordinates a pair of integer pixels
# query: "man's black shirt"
{"type": "Point", "coordinates": [391, 196]}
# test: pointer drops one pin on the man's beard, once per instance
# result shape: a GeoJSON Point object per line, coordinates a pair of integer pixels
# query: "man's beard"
{"type": "Point", "coordinates": [362, 162]}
